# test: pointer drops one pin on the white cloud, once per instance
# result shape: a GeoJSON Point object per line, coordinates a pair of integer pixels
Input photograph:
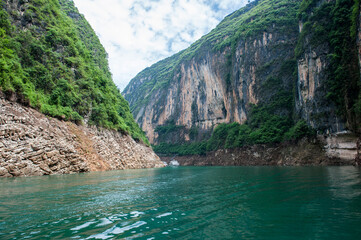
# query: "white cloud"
{"type": "Point", "coordinates": [138, 33]}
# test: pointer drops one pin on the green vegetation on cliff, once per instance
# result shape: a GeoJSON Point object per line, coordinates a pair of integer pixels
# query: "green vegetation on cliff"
{"type": "Point", "coordinates": [235, 135]}
{"type": "Point", "coordinates": [257, 17]}
{"type": "Point", "coordinates": [52, 59]}
{"type": "Point", "coordinates": [258, 55]}
{"type": "Point", "coordinates": [269, 122]}
{"type": "Point", "coordinates": [329, 30]}
{"type": "Point", "coordinates": [334, 24]}
{"type": "Point", "coordinates": [273, 119]}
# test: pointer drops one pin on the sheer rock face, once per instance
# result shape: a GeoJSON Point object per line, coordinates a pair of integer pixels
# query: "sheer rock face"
{"type": "Point", "coordinates": [311, 101]}
{"type": "Point", "coordinates": [33, 144]}
{"type": "Point", "coordinates": [219, 87]}
{"type": "Point", "coordinates": [215, 88]}
{"type": "Point", "coordinates": [311, 90]}
{"type": "Point", "coordinates": [359, 39]}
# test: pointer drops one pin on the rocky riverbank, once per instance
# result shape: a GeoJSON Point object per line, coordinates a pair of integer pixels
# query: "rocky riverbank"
{"type": "Point", "coordinates": [337, 149]}
{"type": "Point", "coordinates": [34, 144]}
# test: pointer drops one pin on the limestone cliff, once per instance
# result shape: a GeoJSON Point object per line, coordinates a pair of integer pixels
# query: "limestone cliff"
{"type": "Point", "coordinates": [328, 71]}
{"type": "Point", "coordinates": [247, 60]}
{"type": "Point", "coordinates": [34, 144]}
{"type": "Point", "coordinates": [280, 68]}
{"type": "Point", "coordinates": [298, 59]}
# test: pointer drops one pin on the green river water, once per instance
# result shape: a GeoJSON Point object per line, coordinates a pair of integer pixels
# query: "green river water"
{"type": "Point", "coordinates": [185, 203]}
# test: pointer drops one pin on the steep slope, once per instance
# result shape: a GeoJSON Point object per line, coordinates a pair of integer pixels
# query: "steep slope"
{"type": "Point", "coordinates": [328, 87]}
{"type": "Point", "coordinates": [32, 144]}
{"type": "Point", "coordinates": [56, 64]}
{"type": "Point", "coordinates": [52, 63]}
{"type": "Point", "coordinates": [270, 72]}
{"type": "Point", "coordinates": [246, 61]}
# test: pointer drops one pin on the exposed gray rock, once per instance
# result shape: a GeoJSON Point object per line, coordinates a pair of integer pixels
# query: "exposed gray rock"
{"type": "Point", "coordinates": [303, 153]}
{"type": "Point", "coordinates": [199, 96]}
{"type": "Point", "coordinates": [342, 145]}
{"type": "Point", "coordinates": [32, 144]}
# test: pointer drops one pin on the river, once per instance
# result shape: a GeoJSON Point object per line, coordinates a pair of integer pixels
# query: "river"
{"type": "Point", "coordinates": [185, 203]}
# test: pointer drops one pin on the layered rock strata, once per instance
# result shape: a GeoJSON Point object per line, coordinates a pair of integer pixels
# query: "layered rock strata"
{"type": "Point", "coordinates": [342, 145]}
{"type": "Point", "coordinates": [34, 144]}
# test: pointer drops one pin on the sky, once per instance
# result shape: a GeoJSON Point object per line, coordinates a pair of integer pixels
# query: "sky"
{"type": "Point", "coordinates": [139, 33]}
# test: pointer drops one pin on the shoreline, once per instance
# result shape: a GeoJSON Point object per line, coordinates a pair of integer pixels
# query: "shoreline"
{"type": "Point", "coordinates": [33, 144]}
{"type": "Point", "coordinates": [342, 149]}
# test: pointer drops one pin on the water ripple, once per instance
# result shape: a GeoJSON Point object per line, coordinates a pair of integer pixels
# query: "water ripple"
{"type": "Point", "coordinates": [85, 225]}
{"type": "Point", "coordinates": [185, 203]}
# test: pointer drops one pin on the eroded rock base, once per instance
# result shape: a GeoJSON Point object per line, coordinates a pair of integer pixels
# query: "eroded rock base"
{"type": "Point", "coordinates": [337, 149]}
{"type": "Point", "coordinates": [34, 144]}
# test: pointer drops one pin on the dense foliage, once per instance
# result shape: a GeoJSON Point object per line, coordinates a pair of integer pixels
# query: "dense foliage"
{"type": "Point", "coordinates": [57, 64]}
{"type": "Point", "coordinates": [272, 120]}
{"type": "Point", "coordinates": [196, 148]}
{"type": "Point", "coordinates": [264, 126]}
{"type": "Point", "coordinates": [330, 25]}
{"type": "Point", "coordinates": [334, 23]}
{"type": "Point", "coordinates": [168, 128]}
{"type": "Point", "coordinates": [235, 135]}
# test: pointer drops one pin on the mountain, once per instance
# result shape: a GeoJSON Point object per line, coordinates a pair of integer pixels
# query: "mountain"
{"type": "Point", "coordinates": [51, 60]}
{"type": "Point", "coordinates": [273, 71]}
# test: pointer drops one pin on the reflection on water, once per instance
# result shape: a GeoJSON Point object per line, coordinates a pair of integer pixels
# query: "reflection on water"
{"type": "Point", "coordinates": [185, 203]}
{"type": "Point", "coordinates": [342, 182]}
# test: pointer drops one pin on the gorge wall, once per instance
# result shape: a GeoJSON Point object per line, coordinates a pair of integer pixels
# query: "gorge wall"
{"type": "Point", "coordinates": [32, 144]}
{"type": "Point", "coordinates": [60, 111]}
{"type": "Point", "coordinates": [218, 79]}
{"type": "Point", "coordinates": [327, 56]}
{"type": "Point", "coordinates": [295, 61]}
